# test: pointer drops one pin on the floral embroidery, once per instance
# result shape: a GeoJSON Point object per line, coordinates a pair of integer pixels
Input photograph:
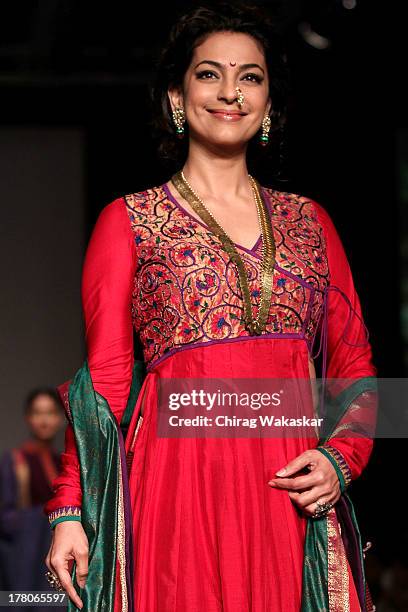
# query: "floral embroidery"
{"type": "Point", "coordinates": [186, 289]}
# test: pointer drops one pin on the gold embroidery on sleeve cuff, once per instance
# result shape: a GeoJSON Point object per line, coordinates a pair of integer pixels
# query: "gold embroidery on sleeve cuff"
{"type": "Point", "coordinates": [63, 512]}
{"type": "Point", "coordinates": [341, 462]}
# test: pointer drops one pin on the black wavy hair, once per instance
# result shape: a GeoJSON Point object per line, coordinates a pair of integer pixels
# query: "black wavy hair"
{"type": "Point", "coordinates": [34, 393]}
{"type": "Point", "coordinates": [190, 30]}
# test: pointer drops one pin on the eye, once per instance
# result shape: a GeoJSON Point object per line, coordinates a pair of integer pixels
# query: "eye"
{"type": "Point", "coordinates": [200, 75]}
{"type": "Point", "coordinates": [255, 77]}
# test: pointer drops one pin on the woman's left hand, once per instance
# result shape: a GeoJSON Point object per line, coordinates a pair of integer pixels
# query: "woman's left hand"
{"type": "Point", "coordinates": [320, 484]}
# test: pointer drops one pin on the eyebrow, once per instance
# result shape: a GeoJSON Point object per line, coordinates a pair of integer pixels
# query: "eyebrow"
{"type": "Point", "coordinates": [241, 67]}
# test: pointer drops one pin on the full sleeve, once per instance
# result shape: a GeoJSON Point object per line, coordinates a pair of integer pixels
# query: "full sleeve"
{"type": "Point", "coordinates": [349, 356]}
{"type": "Point", "coordinates": [106, 291]}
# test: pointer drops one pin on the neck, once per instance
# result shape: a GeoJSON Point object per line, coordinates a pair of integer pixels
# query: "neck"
{"type": "Point", "coordinates": [215, 176]}
{"type": "Point", "coordinates": [38, 443]}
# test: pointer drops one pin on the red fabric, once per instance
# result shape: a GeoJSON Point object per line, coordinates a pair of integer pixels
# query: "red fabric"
{"type": "Point", "coordinates": [107, 281]}
{"type": "Point", "coordinates": [215, 536]}
{"type": "Point", "coordinates": [354, 601]}
{"type": "Point", "coordinates": [345, 361]}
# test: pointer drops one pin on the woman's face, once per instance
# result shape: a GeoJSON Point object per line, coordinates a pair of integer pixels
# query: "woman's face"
{"type": "Point", "coordinates": [44, 418]}
{"type": "Point", "coordinates": [224, 61]}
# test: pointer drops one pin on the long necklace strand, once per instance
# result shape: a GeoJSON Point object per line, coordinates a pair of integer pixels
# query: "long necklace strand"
{"type": "Point", "coordinates": [255, 326]}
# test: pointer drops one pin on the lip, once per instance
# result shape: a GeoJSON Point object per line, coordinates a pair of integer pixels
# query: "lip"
{"type": "Point", "coordinates": [226, 115]}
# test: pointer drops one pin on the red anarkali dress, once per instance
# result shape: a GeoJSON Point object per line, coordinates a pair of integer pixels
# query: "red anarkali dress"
{"type": "Point", "coordinates": [209, 533]}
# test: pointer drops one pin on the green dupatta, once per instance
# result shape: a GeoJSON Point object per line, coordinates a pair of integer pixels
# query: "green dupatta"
{"type": "Point", "coordinates": [321, 590]}
{"type": "Point", "coordinates": [106, 514]}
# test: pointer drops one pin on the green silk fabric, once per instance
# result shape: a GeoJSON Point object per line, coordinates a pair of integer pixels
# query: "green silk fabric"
{"type": "Point", "coordinates": [315, 596]}
{"type": "Point", "coordinates": [97, 439]}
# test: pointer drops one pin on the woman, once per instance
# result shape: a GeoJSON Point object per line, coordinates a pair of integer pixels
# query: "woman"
{"type": "Point", "coordinates": [26, 475]}
{"type": "Point", "coordinates": [220, 278]}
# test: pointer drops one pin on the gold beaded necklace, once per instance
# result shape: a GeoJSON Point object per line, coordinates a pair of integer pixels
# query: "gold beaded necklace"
{"type": "Point", "coordinates": [257, 325]}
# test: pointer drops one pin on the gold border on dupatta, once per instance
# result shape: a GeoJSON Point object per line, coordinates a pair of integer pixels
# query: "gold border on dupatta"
{"type": "Point", "coordinates": [121, 547]}
{"type": "Point", "coordinates": [338, 577]}
{"type": "Point", "coordinates": [138, 426]}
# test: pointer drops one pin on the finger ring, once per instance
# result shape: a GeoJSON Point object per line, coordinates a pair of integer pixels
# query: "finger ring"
{"type": "Point", "coordinates": [321, 509]}
{"type": "Point", "coordinates": [54, 581]}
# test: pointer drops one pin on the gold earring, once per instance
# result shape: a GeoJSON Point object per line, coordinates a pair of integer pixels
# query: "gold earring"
{"type": "Point", "coordinates": [266, 126]}
{"type": "Point", "coordinates": [179, 119]}
{"type": "Point", "coordinates": [240, 97]}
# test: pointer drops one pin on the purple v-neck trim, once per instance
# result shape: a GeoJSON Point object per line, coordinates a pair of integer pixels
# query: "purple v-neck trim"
{"type": "Point", "coordinates": [252, 251]}
{"type": "Point", "coordinates": [186, 212]}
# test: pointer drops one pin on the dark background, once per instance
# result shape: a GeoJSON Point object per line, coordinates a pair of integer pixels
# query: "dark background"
{"type": "Point", "coordinates": [86, 66]}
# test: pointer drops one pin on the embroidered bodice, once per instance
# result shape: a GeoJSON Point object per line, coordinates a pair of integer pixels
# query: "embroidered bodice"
{"type": "Point", "coordinates": [186, 289]}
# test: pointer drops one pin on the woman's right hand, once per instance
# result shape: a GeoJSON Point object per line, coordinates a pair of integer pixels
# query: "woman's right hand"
{"type": "Point", "coordinates": [69, 543]}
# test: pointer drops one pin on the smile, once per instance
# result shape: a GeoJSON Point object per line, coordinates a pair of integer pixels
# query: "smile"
{"type": "Point", "coordinates": [227, 115]}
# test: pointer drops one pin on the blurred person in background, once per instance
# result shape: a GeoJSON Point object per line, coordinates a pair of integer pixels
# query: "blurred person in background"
{"type": "Point", "coordinates": [26, 473]}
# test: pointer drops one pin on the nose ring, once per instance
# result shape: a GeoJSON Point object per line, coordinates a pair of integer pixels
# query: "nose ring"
{"type": "Point", "coordinates": [240, 97]}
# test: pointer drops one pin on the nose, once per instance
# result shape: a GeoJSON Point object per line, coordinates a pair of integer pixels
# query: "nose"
{"type": "Point", "coordinates": [227, 90]}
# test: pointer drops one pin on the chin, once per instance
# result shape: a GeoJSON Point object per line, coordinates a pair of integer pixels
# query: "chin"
{"type": "Point", "coordinates": [224, 142]}
{"type": "Point", "coordinates": [43, 437]}
{"type": "Point", "coordinates": [227, 136]}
